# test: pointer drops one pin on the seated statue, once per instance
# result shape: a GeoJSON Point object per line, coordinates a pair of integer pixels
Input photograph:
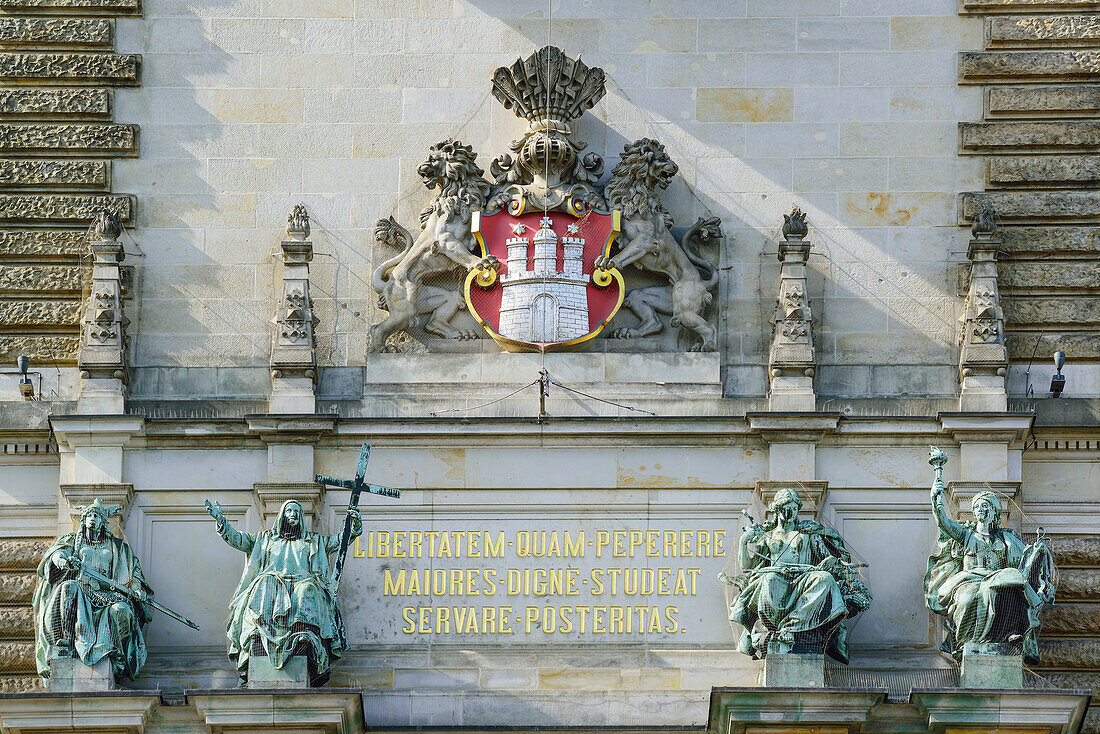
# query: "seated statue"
{"type": "Point", "coordinates": [798, 586]}
{"type": "Point", "coordinates": [79, 616]}
{"type": "Point", "coordinates": [985, 582]}
{"type": "Point", "coordinates": [284, 605]}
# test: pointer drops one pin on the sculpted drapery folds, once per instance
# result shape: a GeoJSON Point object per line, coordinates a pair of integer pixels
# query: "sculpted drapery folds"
{"type": "Point", "coordinates": [77, 616]}
{"type": "Point", "coordinates": [798, 586]}
{"type": "Point", "coordinates": [987, 584]}
{"type": "Point", "coordinates": [284, 605]}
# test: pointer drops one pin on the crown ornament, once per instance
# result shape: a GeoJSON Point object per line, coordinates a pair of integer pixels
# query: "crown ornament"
{"type": "Point", "coordinates": [548, 85]}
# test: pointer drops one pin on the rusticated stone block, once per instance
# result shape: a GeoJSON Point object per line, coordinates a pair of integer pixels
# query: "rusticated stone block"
{"type": "Point", "coordinates": [95, 103]}
{"type": "Point", "coordinates": [17, 657]}
{"type": "Point", "coordinates": [62, 207]}
{"type": "Point", "coordinates": [16, 173]}
{"type": "Point", "coordinates": [15, 314]}
{"type": "Point", "coordinates": [1078, 584]}
{"type": "Point", "coordinates": [91, 138]}
{"type": "Point", "coordinates": [39, 243]}
{"type": "Point", "coordinates": [22, 554]}
{"type": "Point", "coordinates": [1031, 205]}
{"type": "Point", "coordinates": [17, 588]}
{"type": "Point", "coordinates": [70, 68]}
{"type": "Point", "coordinates": [1044, 170]}
{"type": "Point", "coordinates": [1044, 30]}
{"type": "Point", "coordinates": [74, 7]}
{"type": "Point", "coordinates": [1027, 240]}
{"type": "Point", "coordinates": [42, 279]}
{"type": "Point", "coordinates": [20, 684]}
{"type": "Point", "coordinates": [60, 349]}
{"type": "Point", "coordinates": [1080, 550]}
{"type": "Point", "coordinates": [992, 136]}
{"type": "Point", "coordinates": [1080, 652]}
{"type": "Point", "coordinates": [977, 67]}
{"type": "Point", "coordinates": [91, 32]}
{"type": "Point", "coordinates": [1027, 6]}
{"type": "Point", "coordinates": [1072, 619]}
{"type": "Point", "coordinates": [1072, 275]}
{"type": "Point", "coordinates": [16, 623]}
{"type": "Point", "coordinates": [1072, 99]}
{"type": "Point", "coordinates": [1050, 310]}
{"type": "Point", "coordinates": [1081, 680]}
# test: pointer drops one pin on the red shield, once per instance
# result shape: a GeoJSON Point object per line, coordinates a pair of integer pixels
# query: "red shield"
{"type": "Point", "coordinates": [547, 292]}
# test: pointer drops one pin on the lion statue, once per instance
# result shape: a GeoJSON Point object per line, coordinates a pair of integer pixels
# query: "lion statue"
{"type": "Point", "coordinates": [444, 244]}
{"type": "Point", "coordinates": [646, 242]}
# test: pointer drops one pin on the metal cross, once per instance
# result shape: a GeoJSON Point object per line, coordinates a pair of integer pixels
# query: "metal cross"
{"type": "Point", "coordinates": [357, 487]}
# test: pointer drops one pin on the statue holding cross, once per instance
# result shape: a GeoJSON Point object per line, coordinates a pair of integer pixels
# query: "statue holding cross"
{"type": "Point", "coordinates": [285, 604]}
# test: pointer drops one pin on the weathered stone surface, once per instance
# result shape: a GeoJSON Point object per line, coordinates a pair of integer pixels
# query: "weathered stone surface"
{"type": "Point", "coordinates": [17, 623]}
{"type": "Point", "coordinates": [1073, 30]}
{"type": "Point", "coordinates": [20, 683]}
{"type": "Point", "coordinates": [1077, 345]}
{"type": "Point", "coordinates": [977, 67]}
{"type": "Point", "coordinates": [1074, 275]}
{"type": "Point", "coordinates": [1081, 550]}
{"type": "Point", "coordinates": [16, 173]}
{"type": "Point", "coordinates": [22, 554]}
{"type": "Point", "coordinates": [1031, 205]}
{"type": "Point", "coordinates": [1027, 6]}
{"type": "Point", "coordinates": [1044, 170]}
{"type": "Point", "coordinates": [76, 7]}
{"type": "Point", "coordinates": [93, 103]}
{"type": "Point", "coordinates": [1079, 652]}
{"type": "Point", "coordinates": [1078, 584]}
{"type": "Point", "coordinates": [42, 278]}
{"type": "Point", "coordinates": [61, 349]}
{"type": "Point", "coordinates": [1072, 99]}
{"type": "Point", "coordinates": [1053, 311]}
{"type": "Point", "coordinates": [39, 243]}
{"type": "Point", "coordinates": [1029, 135]}
{"type": "Point", "coordinates": [1027, 240]}
{"type": "Point", "coordinates": [1072, 619]}
{"type": "Point", "coordinates": [90, 32]}
{"type": "Point", "coordinates": [15, 314]}
{"type": "Point", "coordinates": [70, 68]}
{"type": "Point", "coordinates": [17, 588]}
{"type": "Point", "coordinates": [17, 657]}
{"type": "Point", "coordinates": [62, 207]}
{"type": "Point", "coordinates": [91, 139]}
{"type": "Point", "coordinates": [1080, 680]}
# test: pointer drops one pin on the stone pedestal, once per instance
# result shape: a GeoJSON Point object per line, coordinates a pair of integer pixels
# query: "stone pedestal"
{"type": "Point", "coordinates": [320, 711]}
{"type": "Point", "coordinates": [791, 670]}
{"type": "Point", "coordinates": [983, 670]}
{"type": "Point", "coordinates": [790, 711]}
{"type": "Point", "coordinates": [69, 675]}
{"type": "Point", "coordinates": [120, 712]}
{"type": "Point", "coordinates": [263, 675]}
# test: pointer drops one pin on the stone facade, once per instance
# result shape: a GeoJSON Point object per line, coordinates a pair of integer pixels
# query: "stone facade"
{"type": "Point", "coordinates": [845, 346]}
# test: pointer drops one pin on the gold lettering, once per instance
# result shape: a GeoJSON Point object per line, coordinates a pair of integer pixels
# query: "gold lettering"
{"type": "Point", "coordinates": [383, 539]}
{"type": "Point", "coordinates": [415, 588]}
{"type": "Point", "coordinates": [443, 621]}
{"type": "Point", "coordinates": [615, 624]}
{"type": "Point", "coordinates": [407, 614]}
{"type": "Point", "coordinates": [574, 550]}
{"type": "Point", "coordinates": [566, 620]}
{"type": "Point", "coordinates": [473, 549]}
{"type": "Point", "coordinates": [445, 545]}
{"type": "Point", "coordinates": [597, 581]}
{"type": "Point", "coordinates": [358, 552]}
{"type": "Point", "coordinates": [670, 615]}
{"type": "Point", "coordinates": [425, 623]}
{"type": "Point", "coordinates": [506, 620]}
{"type": "Point", "coordinates": [618, 538]}
{"type": "Point", "coordinates": [719, 537]}
{"type": "Point", "coordinates": [651, 537]}
{"type": "Point", "coordinates": [571, 582]}
{"type": "Point", "coordinates": [669, 544]}
{"type": "Point", "coordinates": [603, 539]}
{"type": "Point", "coordinates": [416, 540]}
{"type": "Point", "coordinates": [494, 550]}
{"type": "Point", "coordinates": [530, 617]}
{"type": "Point", "coordinates": [702, 543]}
{"type": "Point", "coordinates": [392, 586]}
{"type": "Point", "coordinates": [598, 621]}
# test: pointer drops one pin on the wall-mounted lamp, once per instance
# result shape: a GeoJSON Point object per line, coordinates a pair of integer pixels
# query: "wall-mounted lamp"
{"type": "Point", "coordinates": [1058, 381]}
{"type": "Point", "coordinates": [26, 387]}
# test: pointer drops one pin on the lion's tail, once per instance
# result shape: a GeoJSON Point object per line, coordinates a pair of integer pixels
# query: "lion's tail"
{"type": "Point", "coordinates": [389, 232]}
{"type": "Point", "coordinates": [703, 229]}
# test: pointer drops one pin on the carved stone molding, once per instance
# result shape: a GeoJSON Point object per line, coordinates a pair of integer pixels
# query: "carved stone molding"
{"type": "Point", "coordinates": [327, 711]}
{"type": "Point", "coordinates": [983, 358]}
{"type": "Point", "coordinates": [126, 714]}
{"type": "Point", "coordinates": [293, 348]}
{"type": "Point", "coordinates": [103, 342]}
{"type": "Point", "coordinates": [79, 495]}
{"type": "Point", "coordinates": [811, 491]}
{"type": "Point", "coordinates": [791, 361]}
{"type": "Point", "coordinates": [961, 495]}
{"type": "Point", "coordinates": [270, 497]}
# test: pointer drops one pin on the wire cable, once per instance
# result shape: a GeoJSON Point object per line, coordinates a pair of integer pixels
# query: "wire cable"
{"type": "Point", "coordinates": [484, 405]}
{"type": "Point", "coordinates": [601, 400]}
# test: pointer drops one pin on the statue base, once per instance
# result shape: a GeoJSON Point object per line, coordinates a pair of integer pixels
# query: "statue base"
{"type": "Point", "coordinates": [70, 675]}
{"type": "Point", "coordinates": [263, 674]}
{"type": "Point", "coordinates": [793, 670]}
{"type": "Point", "coordinates": [992, 666]}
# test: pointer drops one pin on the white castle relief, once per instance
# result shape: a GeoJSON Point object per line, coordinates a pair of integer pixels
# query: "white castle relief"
{"type": "Point", "coordinates": [544, 304]}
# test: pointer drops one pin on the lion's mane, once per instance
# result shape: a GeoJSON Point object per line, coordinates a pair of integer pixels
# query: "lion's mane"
{"type": "Point", "coordinates": [630, 189]}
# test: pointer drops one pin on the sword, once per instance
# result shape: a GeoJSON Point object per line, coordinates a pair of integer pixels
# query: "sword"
{"type": "Point", "coordinates": [130, 593]}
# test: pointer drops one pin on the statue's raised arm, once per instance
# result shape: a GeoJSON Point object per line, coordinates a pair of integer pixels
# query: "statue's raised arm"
{"type": "Point", "coordinates": [241, 541]}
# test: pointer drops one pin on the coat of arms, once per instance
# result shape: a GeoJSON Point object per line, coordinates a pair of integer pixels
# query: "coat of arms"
{"type": "Point", "coordinates": [537, 256]}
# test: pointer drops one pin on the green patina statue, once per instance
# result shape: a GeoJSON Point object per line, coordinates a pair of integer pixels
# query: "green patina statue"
{"type": "Point", "coordinates": [91, 600]}
{"type": "Point", "coordinates": [798, 587]}
{"type": "Point", "coordinates": [987, 584]}
{"type": "Point", "coordinates": [285, 604]}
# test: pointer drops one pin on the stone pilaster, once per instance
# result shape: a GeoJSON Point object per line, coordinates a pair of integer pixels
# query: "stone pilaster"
{"type": "Point", "coordinates": [293, 348]}
{"type": "Point", "coordinates": [91, 450]}
{"type": "Point", "coordinates": [983, 358]}
{"type": "Point", "coordinates": [792, 457]}
{"type": "Point", "coordinates": [102, 356]}
{"type": "Point", "coordinates": [791, 358]}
